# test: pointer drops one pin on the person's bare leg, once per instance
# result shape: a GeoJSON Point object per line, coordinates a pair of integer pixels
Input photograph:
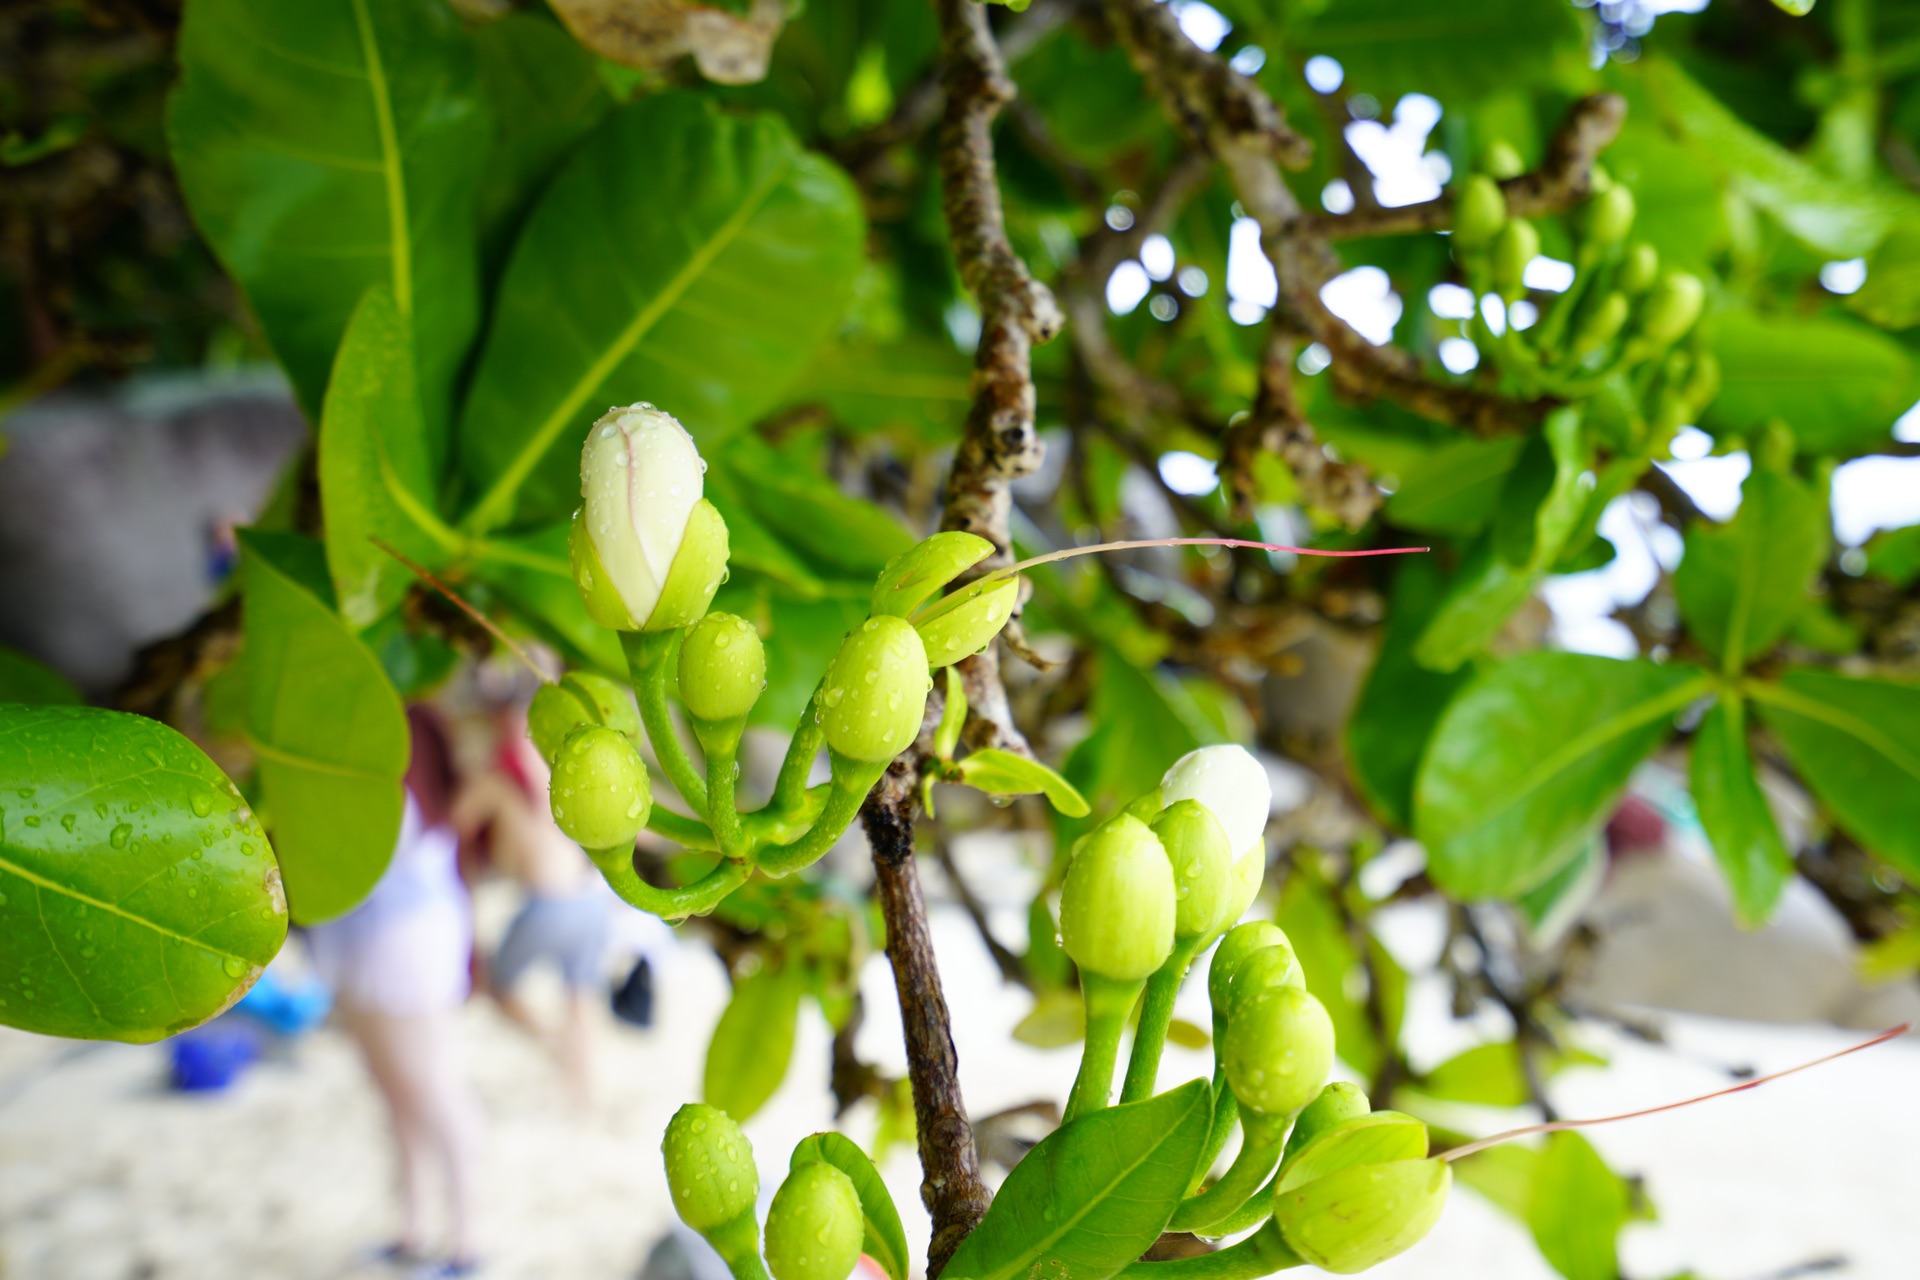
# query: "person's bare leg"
{"type": "Point", "coordinates": [450, 1116]}
{"type": "Point", "coordinates": [576, 1047]}
{"type": "Point", "coordinates": [383, 1048]}
{"type": "Point", "coordinates": [521, 1016]}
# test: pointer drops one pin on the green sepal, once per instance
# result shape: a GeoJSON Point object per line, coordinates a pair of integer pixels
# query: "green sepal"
{"type": "Point", "coordinates": [1358, 1218]}
{"type": "Point", "coordinates": [698, 569]}
{"type": "Point", "coordinates": [1264, 970]}
{"type": "Point", "coordinates": [953, 717]}
{"type": "Point", "coordinates": [968, 620]}
{"type": "Point", "coordinates": [1241, 941]}
{"type": "Point", "coordinates": [579, 698]}
{"type": "Point", "coordinates": [1205, 885]}
{"type": "Point", "coordinates": [1002, 773]}
{"type": "Point", "coordinates": [1381, 1137]}
{"type": "Point", "coordinates": [911, 578]}
{"type": "Point", "coordinates": [603, 602]}
{"type": "Point", "coordinates": [1338, 1103]}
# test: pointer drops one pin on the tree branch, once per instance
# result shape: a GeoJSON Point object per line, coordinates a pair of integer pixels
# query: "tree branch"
{"type": "Point", "coordinates": [1277, 426]}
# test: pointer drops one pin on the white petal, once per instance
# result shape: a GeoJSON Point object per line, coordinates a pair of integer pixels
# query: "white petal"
{"type": "Point", "coordinates": [1229, 781]}
{"type": "Point", "coordinates": [640, 478]}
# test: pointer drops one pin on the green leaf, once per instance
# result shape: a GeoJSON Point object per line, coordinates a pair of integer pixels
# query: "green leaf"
{"type": "Point", "coordinates": [1092, 1195]}
{"type": "Point", "coordinates": [1504, 1175]}
{"type": "Point", "coordinates": [1745, 841]}
{"type": "Point", "coordinates": [328, 732]}
{"type": "Point", "coordinates": [1836, 382]}
{"type": "Point", "coordinates": [1827, 214]}
{"type": "Point", "coordinates": [684, 257]}
{"type": "Point", "coordinates": [26, 681]}
{"type": "Point", "coordinates": [1401, 702]}
{"type": "Point", "coordinates": [1528, 760]}
{"type": "Point", "coordinates": [1856, 743]}
{"type": "Point", "coordinates": [753, 1043]}
{"type": "Point", "coordinates": [1454, 52]}
{"type": "Point", "coordinates": [1491, 1075]}
{"type": "Point", "coordinates": [1742, 584]}
{"type": "Point", "coordinates": [326, 146]}
{"type": "Point", "coordinates": [1455, 487]}
{"type": "Point", "coordinates": [1001, 773]}
{"type": "Point", "coordinates": [807, 512]}
{"type": "Point", "coordinates": [1577, 1209]}
{"type": "Point", "coordinates": [138, 896]}
{"type": "Point", "coordinates": [532, 573]}
{"type": "Point", "coordinates": [918, 384]}
{"type": "Point", "coordinates": [375, 475]}
{"type": "Point", "coordinates": [885, 1240]}
{"type": "Point", "coordinates": [1891, 296]}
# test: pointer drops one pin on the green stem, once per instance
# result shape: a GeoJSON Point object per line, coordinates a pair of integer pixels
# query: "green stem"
{"type": "Point", "coordinates": [1226, 1111]}
{"type": "Point", "coordinates": [689, 833]}
{"type": "Point", "coordinates": [1156, 1015]}
{"type": "Point", "coordinates": [1254, 1212]}
{"type": "Point", "coordinates": [647, 658]}
{"type": "Point", "coordinates": [720, 743]}
{"type": "Point", "coordinates": [791, 786]}
{"type": "Point", "coordinates": [738, 1244]}
{"type": "Point", "coordinates": [1109, 1001]}
{"type": "Point", "coordinates": [1262, 1138]}
{"type": "Point", "coordinates": [698, 898]}
{"type": "Point", "coordinates": [852, 780]}
{"type": "Point", "coordinates": [1258, 1255]}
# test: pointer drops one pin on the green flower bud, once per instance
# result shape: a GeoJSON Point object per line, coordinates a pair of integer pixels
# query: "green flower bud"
{"type": "Point", "coordinates": [1607, 217]}
{"type": "Point", "coordinates": [1381, 1137]}
{"type": "Point", "coordinates": [1262, 973]}
{"type": "Point", "coordinates": [1338, 1103]}
{"type": "Point", "coordinates": [1479, 211]}
{"type": "Point", "coordinates": [1241, 941]}
{"type": "Point", "coordinates": [1249, 871]}
{"type": "Point", "coordinates": [600, 793]}
{"type": "Point", "coordinates": [1145, 807]}
{"type": "Point", "coordinates": [1277, 1049]}
{"type": "Point", "coordinates": [697, 571]}
{"type": "Point", "coordinates": [1117, 905]}
{"type": "Point", "coordinates": [710, 1168]}
{"type": "Point", "coordinates": [1502, 161]}
{"type": "Point", "coordinates": [1639, 269]}
{"type": "Point", "coordinates": [1599, 323]}
{"type": "Point", "coordinates": [1516, 246]}
{"type": "Point", "coordinates": [640, 480]}
{"type": "Point", "coordinates": [876, 691]}
{"type": "Point", "coordinates": [579, 698]}
{"type": "Point", "coordinates": [1703, 383]}
{"type": "Point", "coordinates": [1229, 781]}
{"type": "Point", "coordinates": [1671, 308]}
{"type": "Point", "coordinates": [723, 667]}
{"type": "Point", "coordinates": [815, 1225]}
{"type": "Point", "coordinates": [966, 622]}
{"type": "Point", "coordinates": [1358, 1218]}
{"type": "Point", "coordinates": [911, 578]}
{"type": "Point", "coordinates": [1204, 884]}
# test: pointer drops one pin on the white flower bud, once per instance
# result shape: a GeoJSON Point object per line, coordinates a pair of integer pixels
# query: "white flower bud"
{"type": "Point", "coordinates": [1229, 781]}
{"type": "Point", "coordinates": [640, 479]}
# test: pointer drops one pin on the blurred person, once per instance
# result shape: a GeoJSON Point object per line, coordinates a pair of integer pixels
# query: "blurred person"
{"type": "Point", "coordinates": [398, 966]}
{"type": "Point", "coordinates": [565, 919]}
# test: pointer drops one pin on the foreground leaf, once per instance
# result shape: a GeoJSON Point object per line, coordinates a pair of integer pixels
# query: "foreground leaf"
{"type": "Point", "coordinates": [1733, 810]}
{"type": "Point", "coordinates": [328, 732]}
{"type": "Point", "coordinates": [1742, 584]}
{"type": "Point", "coordinates": [138, 896]}
{"type": "Point", "coordinates": [1856, 743]}
{"type": "Point", "coordinates": [1529, 759]}
{"type": "Point", "coordinates": [753, 1043]}
{"type": "Point", "coordinates": [682, 257]}
{"type": "Point", "coordinates": [1090, 1197]}
{"type": "Point", "coordinates": [326, 146]}
{"type": "Point", "coordinates": [1402, 701]}
{"type": "Point", "coordinates": [1001, 773]}
{"type": "Point", "coordinates": [1577, 1209]}
{"type": "Point", "coordinates": [885, 1240]}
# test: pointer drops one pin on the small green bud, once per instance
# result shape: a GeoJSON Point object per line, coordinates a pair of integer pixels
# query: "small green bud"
{"type": "Point", "coordinates": [1607, 217]}
{"type": "Point", "coordinates": [1639, 269]}
{"type": "Point", "coordinates": [1240, 942]}
{"type": "Point", "coordinates": [723, 667]}
{"type": "Point", "coordinates": [1358, 1218]}
{"type": "Point", "coordinates": [1703, 384]}
{"type": "Point", "coordinates": [1262, 973]}
{"type": "Point", "coordinates": [1117, 905]}
{"type": "Point", "coordinates": [1204, 884]}
{"type": "Point", "coordinates": [1502, 160]}
{"type": "Point", "coordinates": [1671, 308]}
{"type": "Point", "coordinates": [967, 623]}
{"type": "Point", "coordinates": [1277, 1050]}
{"type": "Point", "coordinates": [1479, 211]}
{"type": "Point", "coordinates": [580, 697]}
{"type": "Point", "coordinates": [815, 1225]}
{"type": "Point", "coordinates": [1599, 323]}
{"type": "Point", "coordinates": [1516, 246]}
{"type": "Point", "coordinates": [600, 793]}
{"type": "Point", "coordinates": [710, 1168]}
{"type": "Point", "coordinates": [911, 578]}
{"type": "Point", "coordinates": [1338, 1103]}
{"type": "Point", "coordinates": [876, 691]}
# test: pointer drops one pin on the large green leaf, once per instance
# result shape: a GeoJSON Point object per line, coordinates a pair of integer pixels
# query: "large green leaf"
{"type": "Point", "coordinates": [1891, 295]}
{"type": "Point", "coordinates": [327, 145]}
{"type": "Point", "coordinates": [1836, 382]}
{"type": "Point", "coordinates": [1401, 702]}
{"type": "Point", "coordinates": [1528, 760]}
{"type": "Point", "coordinates": [1732, 808]}
{"type": "Point", "coordinates": [1742, 584]}
{"type": "Point", "coordinates": [1827, 214]}
{"type": "Point", "coordinates": [1857, 744]}
{"type": "Point", "coordinates": [1092, 1195]}
{"type": "Point", "coordinates": [24, 680]}
{"type": "Point", "coordinates": [1452, 51]}
{"type": "Point", "coordinates": [1577, 1209]}
{"type": "Point", "coordinates": [1455, 487]}
{"type": "Point", "coordinates": [531, 571]}
{"type": "Point", "coordinates": [809, 514]}
{"type": "Point", "coordinates": [376, 479]}
{"type": "Point", "coordinates": [753, 1042]}
{"type": "Point", "coordinates": [683, 257]}
{"type": "Point", "coordinates": [328, 731]}
{"type": "Point", "coordinates": [138, 896]}
{"type": "Point", "coordinates": [884, 1239]}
